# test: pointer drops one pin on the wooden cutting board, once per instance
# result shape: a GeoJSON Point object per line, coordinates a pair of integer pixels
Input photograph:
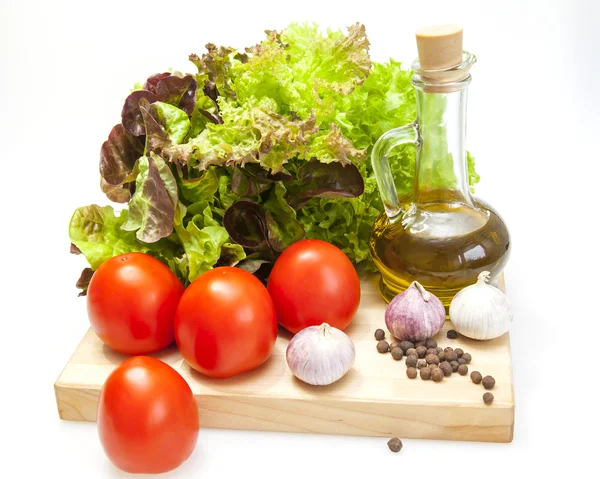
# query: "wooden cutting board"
{"type": "Point", "coordinates": [375, 398]}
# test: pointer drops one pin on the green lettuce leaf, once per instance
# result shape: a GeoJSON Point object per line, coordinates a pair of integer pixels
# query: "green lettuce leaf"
{"type": "Point", "coordinates": [175, 122]}
{"type": "Point", "coordinates": [205, 245]}
{"type": "Point", "coordinates": [97, 232]}
{"type": "Point", "coordinates": [202, 188]}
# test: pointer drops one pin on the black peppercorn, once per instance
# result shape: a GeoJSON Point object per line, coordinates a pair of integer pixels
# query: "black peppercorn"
{"type": "Point", "coordinates": [394, 344]}
{"type": "Point", "coordinates": [411, 373]}
{"type": "Point", "coordinates": [395, 444]}
{"type": "Point", "coordinates": [421, 351]}
{"type": "Point", "coordinates": [461, 361]}
{"type": "Point", "coordinates": [488, 382]}
{"type": "Point", "coordinates": [459, 352]}
{"type": "Point", "coordinates": [406, 345]}
{"type": "Point", "coordinates": [383, 346]}
{"type": "Point", "coordinates": [454, 365]}
{"type": "Point", "coordinates": [446, 368]}
{"type": "Point", "coordinates": [431, 351]}
{"type": "Point", "coordinates": [425, 373]}
{"type": "Point", "coordinates": [448, 349]}
{"type": "Point", "coordinates": [411, 352]}
{"type": "Point", "coordinates": [437, 375]}
{"type": "Point", "coordinates": [411, 361]}
{"type": "Point", "coordinates": [421, 363]}
{"type": "Point", "coordinates": [463, 369]}
{"type": "Point", "coordinates": [452, 334]}
{"type": "Point", "coordinates": [467, 357]}
{"type": "Point", "coordinates": [476, 377]}
{"type": "Point", "coordinates": [379, 334]}
{"type": "Point", "coordinates": [419, 343]}
{"type": "Point", "coordinates": [442, 356]}
{"type": "Point", "coordinates": [488, 398]}
{"type": "Point", "coordinates": [431, 343]}
{"type": "Point", "coordinates": [451, 356]}
{"type": "Point", "coordinates": [439, 350]}
{"type": "Point", "coordinates": [432, 359]}
{"type": "Point", "coordinates": [397, 353]}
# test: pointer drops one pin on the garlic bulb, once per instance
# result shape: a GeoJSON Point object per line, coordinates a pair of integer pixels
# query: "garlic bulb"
{"type": "Point", "coordinates": [415, 314]}
{"type": "Point", "coordinates": [481, 311]}
{"type": "Point", "coordinates": [320, 355]}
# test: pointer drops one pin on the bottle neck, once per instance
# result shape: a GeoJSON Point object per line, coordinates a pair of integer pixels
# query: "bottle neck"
{"type": "Point", "coordinates": [441, 160]}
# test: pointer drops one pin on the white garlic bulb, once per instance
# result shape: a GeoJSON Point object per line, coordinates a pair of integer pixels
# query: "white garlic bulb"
{"type": "Point", "coordinates": [481, 311]}
{"type": "Point", "coordinates": [320, 355]}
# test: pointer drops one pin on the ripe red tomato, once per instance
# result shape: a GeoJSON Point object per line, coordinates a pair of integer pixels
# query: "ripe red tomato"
{"type": "Point", "coordinates": [147, 417]}
{"type": "Point", "coordinates": [314, 282]}
{"type": "Point", "coordinates": [131, 303]}
{"type": "Point", "coordinates": [225, 323]}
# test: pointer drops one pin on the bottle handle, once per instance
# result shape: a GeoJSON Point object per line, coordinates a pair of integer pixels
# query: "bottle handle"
{"type": "Point", "coordinates": [381, 165]}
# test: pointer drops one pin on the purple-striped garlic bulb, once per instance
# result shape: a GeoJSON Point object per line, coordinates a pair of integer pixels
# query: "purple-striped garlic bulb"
{"type": "Point", "coordinates": [415, 314]}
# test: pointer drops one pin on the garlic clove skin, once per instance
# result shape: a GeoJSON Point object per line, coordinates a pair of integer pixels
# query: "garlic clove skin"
{"type": "Point", "coordinates": [320, 355]}
{"type": "Point", "coordinates": [481, 311]}
{"type": "Point", "coordinates": [415, 314]}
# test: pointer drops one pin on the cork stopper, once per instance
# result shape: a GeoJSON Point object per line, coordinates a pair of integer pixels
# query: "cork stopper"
{"type": "Point", "coordinates": [440, 46]}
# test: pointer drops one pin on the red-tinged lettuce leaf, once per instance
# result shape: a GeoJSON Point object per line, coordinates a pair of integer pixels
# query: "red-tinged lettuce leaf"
{"type": "Point", "coordinates": [131, 116]}
{"type": "Point", "coordinates": [118, 194]}
{"type": "Point", "coordinates": [156, 138]}
{"type": "Point", "coordinates": [325, 180]}
{"type": "Point", "coordinates": [245, 224]}
{"type": "Point", "coordinates": [152, 207]}
{"type": "Point", "coordinates": [151, 84]}
{"type": "Point", "coordinates": [282, 230]}
{"type": "Point", "coordinates": [252, 180]}
{"type": "Point", "coordinates": [84, 281]}
{"type": "Point", "coordinates": [212, 117]}
{"type": "Point", "coordinates": [213, 70]}
{"type": "Point", "coordinates": [253, 227]}
{"type": "Point", "coordinates": [252, 263]}
{"type": "Point", "coordinates": [179, 92]}
{"type": "Point", "coordinates": [119, 154]}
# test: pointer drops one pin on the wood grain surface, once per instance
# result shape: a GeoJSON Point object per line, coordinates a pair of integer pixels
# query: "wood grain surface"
{"type": "Point", "coordinates": [375, 398]}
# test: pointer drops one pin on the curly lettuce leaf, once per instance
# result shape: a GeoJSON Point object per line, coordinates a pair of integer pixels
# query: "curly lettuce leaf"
{"type": "Point", "coordinates": [213, 70]}
{"type": "Point", "coordinates": [252, 133]}
{"type": "Point", "coordinates": [206, 243]}
{"type": "Point", "coordinates": [304, 70]}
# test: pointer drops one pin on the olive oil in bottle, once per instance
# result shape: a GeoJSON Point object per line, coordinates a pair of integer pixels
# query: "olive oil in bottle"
{"type": "Point", "coordinates": [446, 256]}
{"type": "Point", "coordinates": [439, 234]}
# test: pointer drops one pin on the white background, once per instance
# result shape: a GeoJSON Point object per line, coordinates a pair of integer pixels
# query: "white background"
{"type": "Point", "coordinates": [65, 68]}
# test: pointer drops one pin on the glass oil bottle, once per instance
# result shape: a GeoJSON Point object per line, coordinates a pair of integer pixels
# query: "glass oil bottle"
{"type": "Point", "coordinates": [439, 235]}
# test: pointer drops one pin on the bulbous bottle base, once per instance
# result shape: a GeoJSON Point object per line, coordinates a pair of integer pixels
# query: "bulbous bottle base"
{"type": "Point", "coordinates": [443, 246]}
